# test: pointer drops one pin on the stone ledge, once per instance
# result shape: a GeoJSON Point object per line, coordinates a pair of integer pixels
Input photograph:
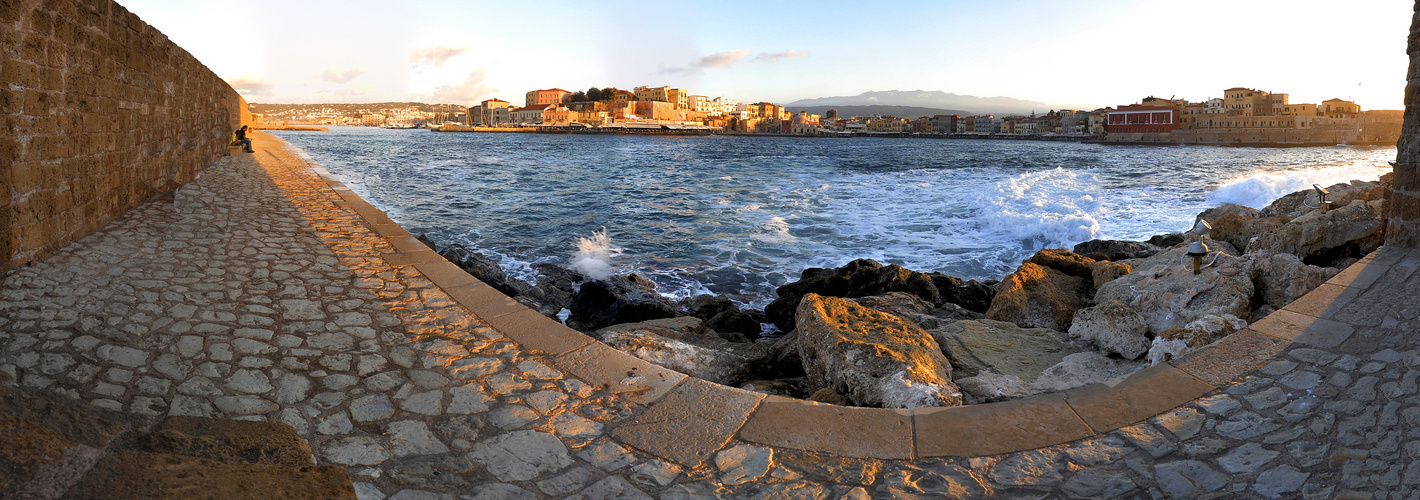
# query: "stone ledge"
{"type": "Point", "coordinates": [841, 430]}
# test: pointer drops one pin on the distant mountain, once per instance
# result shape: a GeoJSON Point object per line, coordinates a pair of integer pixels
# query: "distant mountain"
{"type": "Point", "coordinates": [935, 99]}
{"type": "Point", "coordinates": [354, 107]}
{"type": "Point", "coordinates": [898, 111]}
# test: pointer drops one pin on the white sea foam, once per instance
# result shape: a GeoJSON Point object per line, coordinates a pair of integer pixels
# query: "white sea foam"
{"type": "Point", "coordinates": [1049, 208]}
{"type": "Point", "coordinates": [594, 254]}
{"type": "Point", "coordinates": [1260, 189]}
{"type": "Point", "coordinates": [775, 231]}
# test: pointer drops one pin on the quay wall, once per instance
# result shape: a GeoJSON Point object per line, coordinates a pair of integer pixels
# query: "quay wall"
{"type": "Point", "coordinates": [101, 112]}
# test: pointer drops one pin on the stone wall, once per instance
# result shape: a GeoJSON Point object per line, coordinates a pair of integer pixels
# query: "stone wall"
{"type": "Point", "coordinates": [1402, 210]}
{"type": "Point", "coordinates": [101, 112]}
{"type": "Point", "coordinates": [1260, 136]}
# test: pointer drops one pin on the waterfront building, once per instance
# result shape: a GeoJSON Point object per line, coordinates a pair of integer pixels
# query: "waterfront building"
{"type": "Point", "coordinates": [547, 96]}
{"type": "Point", "coordinates": [945, 124]}
{"type": "Point", "coordinates": [727, 106]}
{"type": "Point", "coordinates": [557, 115]}
{"type": "Point", "coordinates": [1241, 101]}
{"type": "Point", "coordinates": [529, 115]}
{"type": "Point", "coordinates": [1138, 118]}
{"type": "Point", "coordinates": [804, 123]}
{"type": "Point", "coordinates": [986, 124]}
{"type": "Point", "coordinates": [1340, 108]}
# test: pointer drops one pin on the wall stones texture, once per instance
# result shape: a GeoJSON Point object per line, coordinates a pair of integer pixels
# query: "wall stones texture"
{"type": "Point", "coordinates": [100, 112]}
{"type": "Point", "coordinates": [1403, 206]}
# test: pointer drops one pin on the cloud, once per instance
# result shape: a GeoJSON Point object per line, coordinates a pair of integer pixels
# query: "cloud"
{"type": "Point", "coordinates": [716, 60]}
{"type": "Point", "coordinates": [249, 85]}
{"type": "Point", "coordinates": [436, 56]}
{"type": "Point", "coordinates": [775, 56]}
{"type": "Point", "coordinates": [341, 77]}
{"type": "Point", "coordinates": [729, 58]}
{"type": "Point", "coordinates": [469, 91]}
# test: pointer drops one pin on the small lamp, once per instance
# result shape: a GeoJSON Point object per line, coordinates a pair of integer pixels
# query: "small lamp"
{"type": "Point", "coordinates": [1197, 250]}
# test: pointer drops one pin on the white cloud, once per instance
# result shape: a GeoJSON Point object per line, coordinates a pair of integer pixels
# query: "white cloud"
{"type": "Point", "coordinates": [775, 56]}
{"type": "Point", "coordinates": [249, 85]}
{"type": "Point", "coordinates": [471, 90]}
{"type": "Point", "coordinates": [340, 77]}
{"type": "Point", "coordinates": [436, 56]}
{"type": "Point", "coordinates": [716, 60]}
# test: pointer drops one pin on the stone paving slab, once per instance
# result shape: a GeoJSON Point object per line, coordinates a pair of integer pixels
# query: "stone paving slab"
{"type": "Point", "coordinates": [267, 291]}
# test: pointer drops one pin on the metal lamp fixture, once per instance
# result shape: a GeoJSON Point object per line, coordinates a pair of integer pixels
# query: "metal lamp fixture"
{"type": "Point", "coordinates": [1321, 194]}
{"type": "Point", "coordinates": [1198, 250]}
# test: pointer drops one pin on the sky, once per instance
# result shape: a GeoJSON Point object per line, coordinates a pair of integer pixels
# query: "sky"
{"type": "Point", "coordinates": [1076, 54]}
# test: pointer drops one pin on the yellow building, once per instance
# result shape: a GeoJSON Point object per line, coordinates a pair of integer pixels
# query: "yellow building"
{"type": "Point", "coordinates": [1340, 108]}
{"type": "Point", "coordinates": [547, 96]}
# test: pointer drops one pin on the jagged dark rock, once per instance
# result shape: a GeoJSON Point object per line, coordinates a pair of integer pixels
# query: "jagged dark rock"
{"type": "Point", "coordinates": [481, 267]}
{"type": "Point", "coordinates": [1166, 240]}
{"type": "Point", "coordinates": [615, 300]}
{"type": "Point", "coordinates": [860, 278]}
{"type": "Point", "coordinates": [1119, 249]}
{"type": "Point", "coordinates": [974, 296]}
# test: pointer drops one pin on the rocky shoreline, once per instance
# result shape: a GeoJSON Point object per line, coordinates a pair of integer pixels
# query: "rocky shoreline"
{"type": "Point", "coordinates": [867, 334]}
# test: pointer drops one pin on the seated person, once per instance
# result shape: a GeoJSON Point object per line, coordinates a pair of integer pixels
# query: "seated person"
{"type": "Point", "coordinates": [242, 139]}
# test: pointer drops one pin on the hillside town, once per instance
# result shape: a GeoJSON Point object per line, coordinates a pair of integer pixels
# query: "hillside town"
{"type": "Point", "coordinates": [1241, 116]}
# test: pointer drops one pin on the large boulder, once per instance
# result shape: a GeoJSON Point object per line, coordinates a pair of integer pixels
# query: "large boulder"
{"type": "Point", "coordinates": [1074, 370]}
{"type": "Point", "coordinates": [723, 316]}
{"type": "Point", "coordinates": [971, 295]}
{"type": "Point", "coordinates": [871, 357]}
{"type": "Point", "coordinates": [553, 292]}
{"type": "Point", "coordinates": [1064, 261]}
{"type": "Point", "coordinates": [1114, 328]}
{"type": "Point", "coordinates": [1105, 272]}
{"type": "Point", "coordinates": [860, 278]}
{"type": "Point", "coordinates": [978, 346]}
{"type": "Point", "coordinates": [1214, 213]}
{"type": "Point", "coordinates": [1167, 294]}
{"type": "Point", "coordinates": [1341, 194]}
{"type": "Point", "coordinates": [1036, 296]}
{"type": "Point", "coordinates": [1239, 231]}
{"type": "Point", "coordinates": [1319, 237]}
{"type": "Point", "coordinates": [1116, 249]}
{"type": "Point", "coordinates": [615, 300]}
{"type": "Point", "coordinates": [1175, 342]}
{"type": "Point", "coordinates": [683, 344]}
{"type": "Point", "coordinates": [1283, 278]}
{"type": "Point", "coordinates": [913, 308]}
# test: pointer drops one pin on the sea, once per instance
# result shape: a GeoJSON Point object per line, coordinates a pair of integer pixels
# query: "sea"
{"type": "Point", "coordinates": [740, 215]}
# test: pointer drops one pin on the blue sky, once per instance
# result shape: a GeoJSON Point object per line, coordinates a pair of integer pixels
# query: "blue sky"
{"type": "Point", "coordinates": [1086, 54]}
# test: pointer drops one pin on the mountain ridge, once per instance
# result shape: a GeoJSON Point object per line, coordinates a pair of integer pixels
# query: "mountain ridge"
{"type": "Point", "coordinates": [932, 99]}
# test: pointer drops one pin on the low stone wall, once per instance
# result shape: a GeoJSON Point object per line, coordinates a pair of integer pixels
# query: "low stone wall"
{"type": "Point", "coordinates": [101, 111]}
{"type": "Point", "coordinates": [1255, 136]}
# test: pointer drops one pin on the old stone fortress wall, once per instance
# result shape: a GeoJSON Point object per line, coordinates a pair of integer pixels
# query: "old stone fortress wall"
{"type": "Point", "coordinates": [101, 112]}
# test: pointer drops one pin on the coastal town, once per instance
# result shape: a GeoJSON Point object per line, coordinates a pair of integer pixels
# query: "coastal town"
{"type": "Point", "coordinates": [1242, 116]}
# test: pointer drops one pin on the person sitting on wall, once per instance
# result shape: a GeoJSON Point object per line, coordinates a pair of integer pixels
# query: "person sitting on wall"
{"type": "Point", "coordinates": [242, 140]}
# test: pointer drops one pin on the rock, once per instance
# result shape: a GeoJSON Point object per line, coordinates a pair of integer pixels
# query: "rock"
{"type": "Point", "coordinates": [481, 267]}
{"type": "Point", "coordinates": [830, 396]}
{"type": "Point", "coordinates": [1116, 249]}
{"type": "Point", "coordinates": [872, 358]}
{"type": "Point", "coordinates": [977, 346]}
{"type": "Point", "coordinates": [972, 295]}
{"type": "Point", "coordinates": [860, 278]}
{"type": "Point", "coordinates": [789, 387]}
{"type": "Point", "coordinates": [1350, 231]}
{"type": "Point", "coordinates": [743, 463]}
{"type": "Point", "coordinates": [1065, 261]}
{"type": "Point", "coordinates": [781, 360]}
{"type": "Point", "coordinates": [684, 345]}
{"type": "Point", "coordinates": [1081, 369]}
{"type": "Point", "coordinates": [1040, 297]}
{"type": "Point", "coordinates": [1166, 240]}
{"type": "Point", "coordinates": [1167, 294]}
{"type": "Point", "coordinates": [1214, 213]}
{"type": "Point", "coordinates": [707, 306]}
{"type": "Point", "coordinates": [616, 300]}
{"type": "Point", "coordinates": [1283, 278]}
{"type": "Point", "coordinates": [1341, 194]}
{"type": "Point", "coordinates": [734, 322]}
{"type": "Point", "coordinates": [1105, 272]}
{"type": "Point", "coordinates": [987, 387]}
{"type": "Point", "coordinates": [1239, 231]}
{"type": "Point", "coordinates": [1114, 328]}
{"type": "Point", "coordinates": [427, 241]}
{"type": "Point", "coordinates": [1174, 342]}
{"type": "Point", "coordinates": [913, 308]}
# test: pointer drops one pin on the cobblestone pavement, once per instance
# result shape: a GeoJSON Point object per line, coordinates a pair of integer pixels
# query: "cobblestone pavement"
{"type": "Point", "coordinates": [252, 293]}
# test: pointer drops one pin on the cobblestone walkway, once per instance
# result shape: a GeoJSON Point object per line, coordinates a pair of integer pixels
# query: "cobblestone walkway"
{"type": "Point", "coordinates": [256, 293]}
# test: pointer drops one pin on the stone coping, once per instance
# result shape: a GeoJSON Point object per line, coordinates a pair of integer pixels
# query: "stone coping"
{"type": "Point", "coordinates": [684, 419]}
